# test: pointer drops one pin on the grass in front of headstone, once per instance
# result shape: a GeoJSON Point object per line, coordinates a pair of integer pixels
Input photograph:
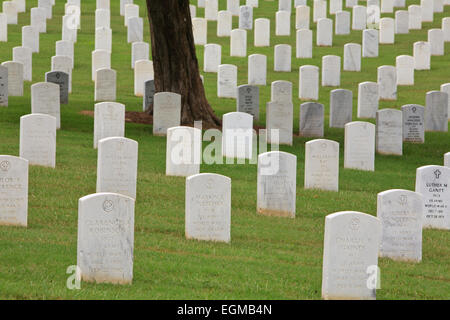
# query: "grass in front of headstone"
{"type": "Point", "coordinates": [268, 257]}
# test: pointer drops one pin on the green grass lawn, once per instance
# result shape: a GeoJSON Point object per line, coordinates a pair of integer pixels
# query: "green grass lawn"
{"type": "Point", "coordinates": [268, 257]}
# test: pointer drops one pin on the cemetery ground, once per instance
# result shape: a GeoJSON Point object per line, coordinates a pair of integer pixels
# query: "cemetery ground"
{"type": "Point", "coordinates": [268, 257]}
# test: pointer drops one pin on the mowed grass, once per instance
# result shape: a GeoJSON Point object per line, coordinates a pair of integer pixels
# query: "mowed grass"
{"type": "Point", "coordinates": [268, 257]}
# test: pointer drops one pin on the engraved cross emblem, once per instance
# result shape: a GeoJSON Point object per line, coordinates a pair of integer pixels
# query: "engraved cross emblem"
{"type": "Point", "coordinates": [437, 173]}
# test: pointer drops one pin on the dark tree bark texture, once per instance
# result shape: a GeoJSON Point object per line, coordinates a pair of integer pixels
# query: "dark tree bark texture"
{"type": "Point", "coordinates": [175, 62]}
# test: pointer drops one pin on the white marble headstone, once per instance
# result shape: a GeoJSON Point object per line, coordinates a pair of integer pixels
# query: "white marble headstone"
{"type": "Point", "coordinates": [389, 132]}
{"type": "Point", "coordinates": [109, 121]}
{"type": "Point", "coordinates": [359, 150]}
{"type": "Point", "coordinates": [322, 165]}
{"type": "Point", "coordinates": [183, 151]}
{"type": "Point", "coordinates": [166, 112]}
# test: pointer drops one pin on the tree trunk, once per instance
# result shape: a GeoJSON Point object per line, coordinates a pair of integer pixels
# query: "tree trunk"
{"type": "Point", "coordinates": [175, 62]}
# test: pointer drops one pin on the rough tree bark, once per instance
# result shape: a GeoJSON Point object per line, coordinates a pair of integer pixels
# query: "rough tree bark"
{"type": "Point", "coordinates": [175, 62]}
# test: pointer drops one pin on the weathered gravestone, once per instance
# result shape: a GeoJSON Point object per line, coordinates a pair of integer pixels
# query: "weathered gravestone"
{"type": "Point", "coordinates": [341, 107]}
{"type": "Point", "coordinates": [359, 149]}
{"type": "Point", "coordinates": [38, 139]}
{"type": "Point", "coordinates": [109, 121]}
{"type": "Point", "coordinates": [45, 100]}
{"type": "Point", "coordinates": [433, 183]}
{"type": "Point", "coordinates": [413, 123]}
{"type": "Point", "coordinates": [277, 184]}
{"type": "Point", "coordinates": [208, 207]}
{"type": "Point", "coordinates": [105, 85]}
{"type": "Point", "coordinates": [248, 100]}
{"type": "Point", "coordinates": [436, 111]}
{"type": "Point", "coordinates": [350, 256]}
{"type": "Point", "coordinates": [257, 69]}
{"type": "Point", "coordinates": [117, 166]}
{"type": "Point", "coordinates": [387, 82]}
{"type": "Point", "coordinates": [370, 43]}
{"type": "Point", "coordinates": [3, 86]}
{"type": "Point", "coordinates": [105, 238]}
{"type": "Point", "coordinates": [227, 81]}
{"type": "Point", "coordinates": [389, 132]}
{"type": "Point", "coordinates": [13, 191]}
{"type": "Point", "coordinates": [166, 112]}
{"type": "Point", "coordinates": [183, 151]}
{"type": "Point", "coordinates": [322, 165]}
{"type": "Point", "coordinates": [279, 122]}
{"type": "Point", "coordinates": [352, 57]}
{"type": "Point", "coordinates": [309, 82]}
{"type": "Point", "coordinates": [237, 135]}
{"type": "Point", "coordinates": [62, 79]}
{"type": "Point", "coordinates": [245, 17]}
{"type": "Point", "coordinates": [368, 97]}
{"type": "Point", "coordinates": [149, 93]}
{"type": "Point", "coordinates": [311, 119]}
{"type": "Point", "coordinates": [400, 213]}
{"type": "Point", "coordinates": [15, 78]}
{"type": "Point", "coordinates": [139, 51]}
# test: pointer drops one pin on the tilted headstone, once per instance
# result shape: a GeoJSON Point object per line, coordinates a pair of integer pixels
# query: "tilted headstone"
{"type": "Point", "coordinates": [311, 119]}
{"type": "Point", "coordinates": [212, 57]}
{"type": "Point", "coordinates": [105, 238]}
{"type": "Point", "coordinates": [341, 107]}
{"type": "Point", "coordinates": [283, 23]}
{"type": "Point", "coordinates": [45, 100]}
{"type": "Point", "coordinates": [3, 86]}
{"type": "Point", "coordinates": [143, 71]}
{"type": "Point", "coordinates": [262, 32]}
{"type": "Point", "coordinates": [413, 123]}
{"type": "Point", "coordinates": [387, 82]}
{"type": "Point", "coordinates": [257, 69]}
{"type": "Point", "coordinates": [277, 184]}
{"type": "Point", "coordinates": [331, 71]}
{"type": "Point", "coordinates": [389, 132]}
{"type": "Point", "coordinates": [322, 165]}
{"type": "Point", "coordinates": [38, 139]}
{"type": "Point", "coordinates": [23, 55]}
{"type": "Point", "coordinates": [422, 55]}
{"type": "Point", "coordinates": [208, 207]}
{"type": "Point", "coordinates": [248, 100]}
{"type": "Point", "coordinates": [105, 85]}
{"type": "Point", "coordinates": [166, 112]}
{"type": "Point", "coordinates": [183, 151]}
{"type": "Point", "coordinates": [436, 111]}
{"type": "Point", "coordinates": [238, 43]}
{"type": "Point", "coordinates": [368, 97]}
{"type": "Point", "coordinates": [149, 93]}
{"type": "Point", "coordinates": [359, 149]}
{"type": "Point", "coordinates": [309, 82]}
{"type": "Point", "coordinates": [304, 45]}
{"type": "Point", "coordinates": [227, 81]}
{"type": "Point", "coordinates": [280, 117]}
{"type": "Point", "coordinates": [117, 166]}
{"type": "Point", "coordinates": [350, 256]}
{"type": "Point", "coordinates": [282, 60]}
{"type": "Point", "coordinates": [370, 43]}
{"type": "Point", "coordinates": [400, 213]}
{"type": "Point", "coordinates": [139, 51]}
{"type": "Point", "coordinates": [352, 57]}
{"type": "Point", "coordinates": [237, 135]}
{"type": "Point", "coordinates": [109, 121]}
{"type": "Point", "coordinates": [433, 183]}
{"type": "Point", "coordinates": [13, 191]}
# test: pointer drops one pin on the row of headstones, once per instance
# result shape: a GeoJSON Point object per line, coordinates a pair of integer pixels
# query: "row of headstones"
{"type": "Point", "coordinates": [404, 20]}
